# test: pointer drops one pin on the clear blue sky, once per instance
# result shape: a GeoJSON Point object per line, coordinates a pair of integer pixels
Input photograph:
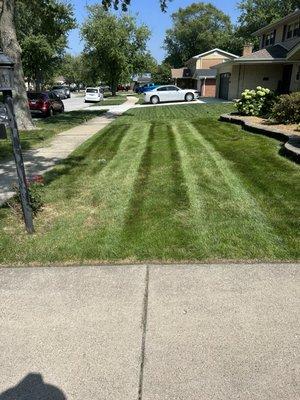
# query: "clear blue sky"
{"type": "Point", "coordinates": [148, 12]}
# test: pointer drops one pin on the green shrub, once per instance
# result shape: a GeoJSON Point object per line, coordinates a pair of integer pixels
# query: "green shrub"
{"type": "Point", "coordinates": [287, 109]}
{"type": "Point", "coordinates": [256, 102]}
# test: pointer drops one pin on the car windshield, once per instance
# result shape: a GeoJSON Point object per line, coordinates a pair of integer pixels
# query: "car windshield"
{"type": "Point", "coordinates": [92, 90]}
{"type": "Point", "coordinates": [36, 96]}
{"type": "Point", "coordinates": [58, 87]}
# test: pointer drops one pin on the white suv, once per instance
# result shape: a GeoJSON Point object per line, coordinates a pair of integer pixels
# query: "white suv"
{"type": "Point", "coordinates": [93, 94]}
{"type": "Point", "coordinates": [170, 93]}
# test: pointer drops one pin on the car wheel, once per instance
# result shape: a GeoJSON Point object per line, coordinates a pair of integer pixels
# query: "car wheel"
{"type": "Point", "coordinates": [189, 97]}
{"type": "Point", "coordinates": [154, 99]}
{"type": "Point", "coordinates": [62, 109]}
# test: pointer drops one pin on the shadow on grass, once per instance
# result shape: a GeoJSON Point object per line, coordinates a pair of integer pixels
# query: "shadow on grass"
{"type": "Point", "coordinates": [71, 116]}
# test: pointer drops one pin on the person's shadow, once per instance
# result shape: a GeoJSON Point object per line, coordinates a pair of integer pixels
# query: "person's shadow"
{"type": "Point", "coordinates": [32, 387]}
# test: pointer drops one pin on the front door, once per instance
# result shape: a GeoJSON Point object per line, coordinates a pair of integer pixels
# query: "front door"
{"type": "Point", "coordinates": [224, 86]}
{"type": "Point", "coordinates": [285, 83]}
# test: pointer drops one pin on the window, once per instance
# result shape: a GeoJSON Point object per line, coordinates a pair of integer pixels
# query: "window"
{"type": "Point", "coordinates": [270, 38]}
{"type": "Point", "coordinates": [298, 74]}
{"type": "Point", "coordinates": [172, 88]}
{"type": "Point", "coordinates": [293, 30]}
{"type": "Point", "coordinates": [162, 89]}
{"type": "Point", "coordinates": [296, 31]}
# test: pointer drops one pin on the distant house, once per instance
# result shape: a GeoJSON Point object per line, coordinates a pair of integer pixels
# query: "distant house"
{"type": "Point", "coordinates": [276, 65]}
{"type": "Point", "coordinates": [198, 74]}
{"type": "Point", "coordinates": [141, 79]}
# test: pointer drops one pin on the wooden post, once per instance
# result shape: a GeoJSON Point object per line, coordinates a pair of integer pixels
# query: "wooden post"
{"type": "Point", "coordinates": [24, 195]}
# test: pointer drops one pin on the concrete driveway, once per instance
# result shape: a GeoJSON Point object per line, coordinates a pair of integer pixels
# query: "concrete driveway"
{"type": "Point", "coordinates": [150, 332]}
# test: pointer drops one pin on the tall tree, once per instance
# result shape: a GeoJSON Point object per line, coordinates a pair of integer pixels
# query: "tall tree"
{"type": "Point", "coordinates": [73, 69]}
{"type": "Point", "coordinates": [35, 26]}
{"type": "Point", "coordinates": [161, 74]}
{"type": "Point", "coordinates": [257, 13]}
{"type": "Point", "coordinates": [196, 29]}
{"type": "Point", "coordinates": [11, 47]}
{"type": "Point", "coordinates": [115, 46]}
{"type": "Point", "coordinates": [42, 28]}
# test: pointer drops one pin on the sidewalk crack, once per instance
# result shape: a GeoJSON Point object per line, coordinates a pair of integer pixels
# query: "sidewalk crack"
{"type": "Point", "coordinates": [144, 332]}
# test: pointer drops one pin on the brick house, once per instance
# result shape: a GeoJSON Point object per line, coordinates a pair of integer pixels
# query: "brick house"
{"type": "Point", "coordinates": [276, 65]}
{"type": "Point", "coordinates": [198, 74]}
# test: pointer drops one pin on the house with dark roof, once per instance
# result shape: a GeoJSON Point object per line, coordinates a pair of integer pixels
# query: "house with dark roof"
{"type": "Point", "coordinates": [276, 65]}
{"type": "Point", "coordinates": [198, 74]}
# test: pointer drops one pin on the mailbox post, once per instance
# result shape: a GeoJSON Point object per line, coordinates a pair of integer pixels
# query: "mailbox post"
{"type": "Point", "coordinates": [6, 86]}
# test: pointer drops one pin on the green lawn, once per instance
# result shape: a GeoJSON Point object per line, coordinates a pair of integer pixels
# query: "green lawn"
{"type": "Point", "coordinates": [165, 183]}
{"type": "Point", "coordinates": [48, 127]}
{"type": "Point", "coordinates": [110, 100]}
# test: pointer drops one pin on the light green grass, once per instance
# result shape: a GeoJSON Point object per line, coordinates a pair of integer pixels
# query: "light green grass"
{"type": "Point", "coordinates": [165, 183]}
{"type": "Point", "coordinates": [47, 128]}
{"type": "Point", "coordinates": [140, 97]}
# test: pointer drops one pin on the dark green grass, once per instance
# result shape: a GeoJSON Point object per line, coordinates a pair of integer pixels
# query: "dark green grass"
{"type": "Point", "coordinates": [165, 183]}
{"type": "Point", "coordinates": [47, 128]}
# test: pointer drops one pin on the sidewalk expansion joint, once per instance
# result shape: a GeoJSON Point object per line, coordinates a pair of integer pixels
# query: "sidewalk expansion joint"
{"type": "Point", "coordinates": [144, 332]}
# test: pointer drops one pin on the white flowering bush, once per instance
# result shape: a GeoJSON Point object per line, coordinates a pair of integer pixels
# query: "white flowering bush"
{"type": "Point", "coordinates": [256, 102]}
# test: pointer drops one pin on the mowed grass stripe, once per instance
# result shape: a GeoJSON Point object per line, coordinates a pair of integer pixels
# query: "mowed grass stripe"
{"type": "Point", "coordinates": [94, 217]}
{"type": "Point", "coordinates": [271, 179]}
{"type": "Point", "coordinates": [227, 222]}
{"type": "Point", "coordinates": [89, 159]}
{"type": "Point", "coordinates": [157, 224]}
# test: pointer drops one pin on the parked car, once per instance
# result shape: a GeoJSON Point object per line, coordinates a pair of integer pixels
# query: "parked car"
{"type": "Point", "coordinates": [62, 91]}
{"type": "Point", "coordinates": [170, 93]}
{"type": "Point", "coordinates": [45, 103]}
{"type": "Point", "coordinates": [145, 88]}
{"type": "Point", "coordinates": [93, 94]}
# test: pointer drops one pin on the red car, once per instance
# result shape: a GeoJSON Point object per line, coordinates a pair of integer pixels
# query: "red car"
{"type": "Point", "coordinates": [45, 103]}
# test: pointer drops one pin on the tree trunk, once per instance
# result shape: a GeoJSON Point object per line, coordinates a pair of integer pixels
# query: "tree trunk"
{"type": "Point", "coordinates": [113, 87]}
{"type": "Point", "coordinates": [12, 49]}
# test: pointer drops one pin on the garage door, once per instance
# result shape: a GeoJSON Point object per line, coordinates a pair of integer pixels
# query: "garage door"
{"type": "Point", "coordinates": [224, 86]}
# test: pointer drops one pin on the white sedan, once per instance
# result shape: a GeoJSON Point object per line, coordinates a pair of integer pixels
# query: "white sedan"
{"type": "Point", "coordinates": [93, 94]}
{"type": "Point", "coordinates": [170, 93]}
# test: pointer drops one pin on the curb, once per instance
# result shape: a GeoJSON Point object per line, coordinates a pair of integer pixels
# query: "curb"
{"type": "Point", "coordinates": [291, 146]}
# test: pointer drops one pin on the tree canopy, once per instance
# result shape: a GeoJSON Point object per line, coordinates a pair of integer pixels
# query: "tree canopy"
{"type": "Point", "coordinates": [196, 29]}
{"type": "Point", "coordinates": [257, 13]}
{"type": "Point", "coordinates": [42, 27]}
{"type": "Point", "coordinates": [115, 46]}
{"type": "Point", "coordinates": [125, 3]}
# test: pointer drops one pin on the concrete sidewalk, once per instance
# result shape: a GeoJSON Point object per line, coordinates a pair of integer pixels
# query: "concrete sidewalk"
{"type": "Point", "coordinates": [217, 332]}
{"type": "Point", "coordinates": [40, 160]}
